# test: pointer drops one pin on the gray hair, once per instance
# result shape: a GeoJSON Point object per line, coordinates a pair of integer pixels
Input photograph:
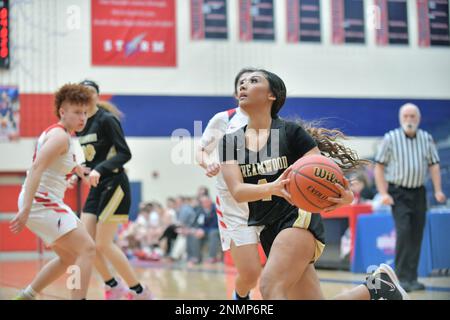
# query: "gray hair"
{"type": "Point", "coordinates": [409, 105]}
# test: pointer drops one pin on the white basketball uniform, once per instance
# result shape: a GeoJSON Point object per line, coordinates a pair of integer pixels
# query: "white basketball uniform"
{"type": "Point", "coordinates": [50, 218]}
{"type": "Point", "coordinates": [232, 216]}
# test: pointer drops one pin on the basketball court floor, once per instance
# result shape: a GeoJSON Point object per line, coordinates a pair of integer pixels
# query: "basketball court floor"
{"type": "Point", "coordinates": [178, 281]}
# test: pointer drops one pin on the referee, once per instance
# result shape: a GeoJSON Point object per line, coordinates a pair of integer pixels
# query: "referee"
{"type": "Point", "coordinates": [400, 171]}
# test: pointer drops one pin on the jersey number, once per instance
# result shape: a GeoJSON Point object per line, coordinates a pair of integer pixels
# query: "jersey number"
{"type": "Point", "coordinates": [264, 181]}
{"type": "Point", "coordinates": [89, 152]}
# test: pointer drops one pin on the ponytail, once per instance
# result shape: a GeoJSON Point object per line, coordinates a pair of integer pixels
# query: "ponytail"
{"type": "Point", "coordinates": [327, 142]}
{"type": "Point", "coordinates": [108, 106]}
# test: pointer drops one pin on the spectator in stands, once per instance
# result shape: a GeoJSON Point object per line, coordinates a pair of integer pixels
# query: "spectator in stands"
{"type": "Point", "coordinates": [204, 231]}
{"type": "Point", "coordinates": [359, 185]}
{"type": "Point", "coordinates": [135, 237]}
{"type": "Point", "coordinates": [185, 216]}
{"type": "Point", "coordinates": [169, 234]}
{"type": "Point", "coordinates": [202, 191]}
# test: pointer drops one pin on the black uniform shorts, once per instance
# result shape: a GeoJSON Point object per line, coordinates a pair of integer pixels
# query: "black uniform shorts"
{"type": "Point", "coordinates": [110, 201]}
{"type": "Point", "coordinates": [296, 218]}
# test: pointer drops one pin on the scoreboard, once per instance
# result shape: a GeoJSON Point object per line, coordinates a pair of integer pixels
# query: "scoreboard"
{"type": "Point", "coordinates": [4, 34]}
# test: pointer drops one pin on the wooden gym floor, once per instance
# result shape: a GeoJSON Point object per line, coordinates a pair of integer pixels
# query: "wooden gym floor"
{"type": "Point", "coordinates": [178, 281]}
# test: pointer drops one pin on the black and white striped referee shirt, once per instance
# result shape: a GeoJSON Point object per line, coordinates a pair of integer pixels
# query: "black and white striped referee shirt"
{"type": "Point", "coordinates": [406, 159]}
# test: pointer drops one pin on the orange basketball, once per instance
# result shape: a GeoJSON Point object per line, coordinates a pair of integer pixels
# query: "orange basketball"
{"type": "Point", "coordinates": [312, 181]}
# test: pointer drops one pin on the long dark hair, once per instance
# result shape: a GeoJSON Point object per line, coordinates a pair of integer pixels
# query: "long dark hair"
{"type": "Point", "coordinates": [327, 142]}
{"type": "Point", "coordinates": [326, 139]}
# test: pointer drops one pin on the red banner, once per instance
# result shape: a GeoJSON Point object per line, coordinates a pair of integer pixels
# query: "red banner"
{"type": "Point", "coordinates": [382, 32]}
{"type": "Point", "coordinates": [133, 33]}
{"type": "Point", "coordinates": [338, 17]}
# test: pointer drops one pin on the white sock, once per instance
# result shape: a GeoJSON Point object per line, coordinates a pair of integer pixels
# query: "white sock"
{"type": "Point", "coordinates": [29, 292]}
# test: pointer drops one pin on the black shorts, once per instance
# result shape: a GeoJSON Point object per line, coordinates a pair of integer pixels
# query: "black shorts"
{"type": "Point", "coordinates": [110, 201]}
{"type": "Point", "coordinates": [295, 219]}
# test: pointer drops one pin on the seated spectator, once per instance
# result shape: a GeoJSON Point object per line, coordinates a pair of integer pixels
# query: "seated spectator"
{"type": "Point", "coordinates": [134, 237]}
{"type": "Point", "coordinates": [202, 191]}
{"type": "Point", "coordinates": [204, 231]}
{"type": "Point", "coordinates": [359, 186]}
{"type": "Point", "coordinates": [185, 216]}
{"type": "Point", "coordinates": [169, 234]}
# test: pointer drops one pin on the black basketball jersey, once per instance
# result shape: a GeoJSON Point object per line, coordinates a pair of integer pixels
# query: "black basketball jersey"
{"type": "Point", "coordinates": [103, 143]}
{"type": "Point", "coordinates": [287, 142]}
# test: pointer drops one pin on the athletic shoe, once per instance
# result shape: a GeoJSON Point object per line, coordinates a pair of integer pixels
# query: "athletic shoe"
{"type": "Point", "coordinates": [417, 286]}
{"type": "Point", "coordinates": [383, 284]}
{"type": "Point", "coordinates": [406, 286]}
{"type": "Point", "coordinates": [23, 296]}
{"type": "Point", "coordinates": [236, 297]}
{"type": "Point", "coordinates": [116, 293]}
{"type": "Point", "coordinates": [144, 295]}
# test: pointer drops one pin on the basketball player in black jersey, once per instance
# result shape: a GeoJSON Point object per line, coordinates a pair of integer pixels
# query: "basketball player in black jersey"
{"type": "Point", "coordinates": [256, 164]}
{"type": "Point", "coordinates": [108, 202]}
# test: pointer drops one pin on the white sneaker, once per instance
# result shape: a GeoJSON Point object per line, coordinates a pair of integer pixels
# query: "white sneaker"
{"type": "Point", "coordinates": [116, 293]}
{"type": "Point", "coordinates": [144, 295]}
{"type": "Point", "coordinates": [23, 296]}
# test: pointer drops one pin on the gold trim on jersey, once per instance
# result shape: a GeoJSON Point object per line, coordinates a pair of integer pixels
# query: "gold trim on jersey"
{"type": "Point", "coordinates": [303, 219]}
{"type": "Point", "coordinates": [111, 153]}
{"type": "Point", "coordinates": [108, 212]}
{"type": "Point", "coordinates": [318, 250]}
{"type": "Point", "coordinates": [88, 138]}
{"type": "Point", "coordinates": [118, 218]}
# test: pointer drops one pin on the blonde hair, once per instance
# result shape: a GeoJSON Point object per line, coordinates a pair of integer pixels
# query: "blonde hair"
{"type": "Point", "coordinates": [108, 106]}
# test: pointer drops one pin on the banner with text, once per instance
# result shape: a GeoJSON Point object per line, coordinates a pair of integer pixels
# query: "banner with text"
{"type": "Point", "coordinates": [133, 33]}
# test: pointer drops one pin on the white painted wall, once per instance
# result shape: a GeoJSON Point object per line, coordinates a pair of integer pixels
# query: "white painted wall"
{"type": "Point", "coordinates": [46, 54]}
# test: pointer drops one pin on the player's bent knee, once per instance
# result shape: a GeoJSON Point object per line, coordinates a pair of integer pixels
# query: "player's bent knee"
{"type": "Point", "coordinates": [272, 290]}
{"type": "Point", "coordinates": [69, 260]}
{"type": "Point", "coordinates": [102, 246]}
{"type": "Point", "coordinates": [87, 248]}
{"type": "Point", "coordinates": [273, 286]}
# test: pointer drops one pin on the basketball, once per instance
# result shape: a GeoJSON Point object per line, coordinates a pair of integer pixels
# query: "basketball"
{"type": "Point", "coordinates": [312, 181]}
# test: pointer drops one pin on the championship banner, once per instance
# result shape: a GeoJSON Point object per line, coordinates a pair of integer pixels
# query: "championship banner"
{"type": "Point", "coordinates": [347, 21]}
{"type": "Point", "coordinates": [303, 21]}
{"type": "Point", "coordinates": [433, 19]}
{"type": "Point", "coordinates": [209, 19]}
{"type": "Point", "coordinates": [393, 22]}
{"type": "Point", "coordinates": [256, 20]}
{"type": "Point", "coordinates": [133, 33]}
{"type": "Point", "coordinates": [9, 113]}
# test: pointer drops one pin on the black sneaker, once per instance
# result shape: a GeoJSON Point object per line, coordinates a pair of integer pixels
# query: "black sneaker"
{"type": "Point", "coordinates": [384, 285]}
{"type": "Point", "coordinates": [417, 286]}
{"type": "Point", "coordinates": [406, 286]}
{"type": "Point", "coordinates": [237, 297]}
